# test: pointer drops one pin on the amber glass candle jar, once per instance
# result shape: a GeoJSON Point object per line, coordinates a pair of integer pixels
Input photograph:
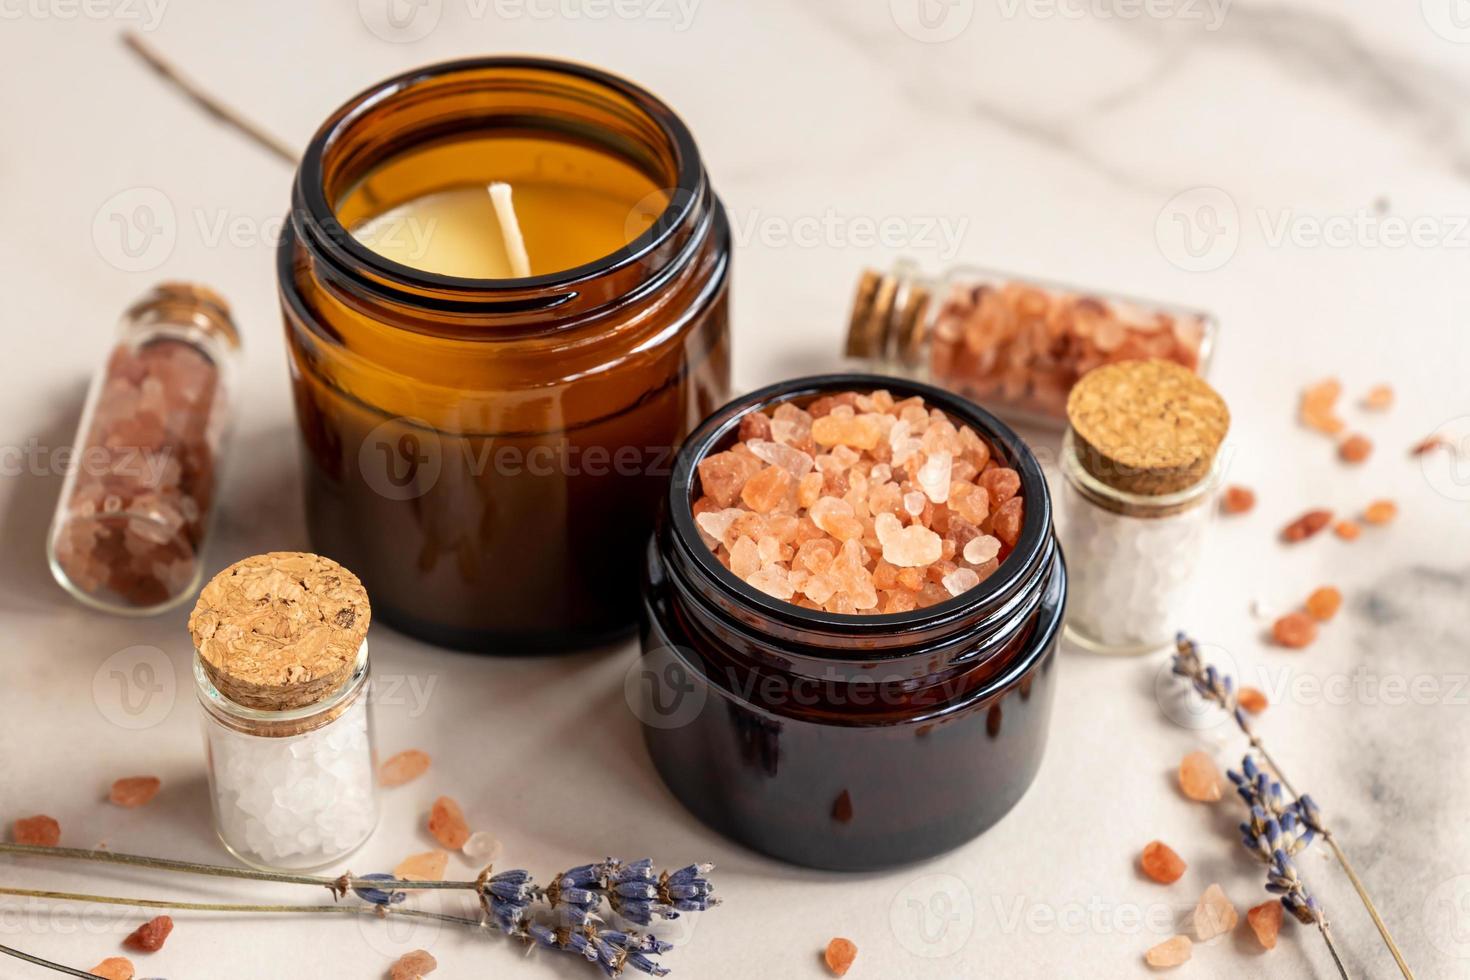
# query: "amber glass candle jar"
{"type": "Point", "coordinates": [847, 741]}
{"type": "Point", "coordinates": [488, 453]}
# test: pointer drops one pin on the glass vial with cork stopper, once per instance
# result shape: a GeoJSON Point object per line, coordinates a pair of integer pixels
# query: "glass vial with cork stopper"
{"type": "Point", "coordinates": [281, 670]}
{"type": "Point", "coordinates": [139, 493]}
{"type": "Point", "coordinates": [1140, 465]}
{"type": "Point", "coordinates": [1016, 345]}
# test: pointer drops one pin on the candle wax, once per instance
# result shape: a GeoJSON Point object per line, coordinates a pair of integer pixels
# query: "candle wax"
{"type": "Point", "coordinates": [574, 205]}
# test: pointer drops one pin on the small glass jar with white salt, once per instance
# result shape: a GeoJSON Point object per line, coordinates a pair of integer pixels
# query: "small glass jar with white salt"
{"type": "Point", "coordinates": [1140, 465]}
{"type": "Point", "coordinates": [282, 674]}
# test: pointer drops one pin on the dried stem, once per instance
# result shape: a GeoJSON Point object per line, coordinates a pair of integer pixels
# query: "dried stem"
{"type": "Point", "coordinates": [37, 961]}
{"type": "Point", "coordinates": [1332, 948]}
{"type": "Point", "coordinates": [377, 911]}
{"type": "Point", "coordinates": [208, 102]}
{"type": "Point", "coordinates": [220, 871]}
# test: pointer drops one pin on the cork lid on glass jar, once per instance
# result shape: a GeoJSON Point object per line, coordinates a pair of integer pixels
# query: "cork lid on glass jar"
{"type": "Point", "coordinates": [280, 631]}
{"type": "Point", "coordinates": [1146, 428]}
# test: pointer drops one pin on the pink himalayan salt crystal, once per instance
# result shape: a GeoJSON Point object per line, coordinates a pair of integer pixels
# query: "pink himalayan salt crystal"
{"type": "Point", "coordinates": [413, 965]}
{"type": "Point", "coordinates": [447, 823]}
{"type": "Point", "coordinates": [1170, 952]}
{"type": "Point", "coordinates": [745, 559]}
{"type": "Point", "coordinates": [857, 431]}
{"type": "Point", "coordinates": [773, 580]}
{"type": "Point", "coordinates": [114, 968]}
{"type": "Point", "coordinates": [766, 489]}
{"type": "Point", "coordinates": [835, 516]}
{"type": "Point", "coordinates": [1199, 778]}
{"type": "Point", "coordinates": [1002, 483]}
{"type": "Point", "coordinates": [913, 546]}
{"type": "Point", "coordinates": [1008, 519]}
{"type": "Point", "coordinates": [960, 580]}
{"type": "Point", "coordinates": [716, 522]}
{"type": "Point", "coordinates": [969, 501]}
{"type": "Point", "coordinates": [933, 476]}
{"type": "Point", "coordinates": [769, 549]}
{"type": "Point", "coordinates": [134, 791]}
{"type": "Point", "coordinates": [1265, 922]}
{"type": "Point", "coordinates": [482, 847]}
{"type": "Point", "coordinates": [793, 461]}
{"type": "Point", "coordinates": [851, 577]}
{"type": "Point", "coordinates": [809, 490]}
{"type": "Point", "coordinates": [1214, 915]}
{"type": "Point", "coordinates": [723, 475]}
{"type": "Point", "coordinates": [815, 555]}
{"type": "Point", "coordinates": [404, 767]}
{"type": "Point", "coordinates": [791, 426]}
{"type": "Point", "coordinates": [982, 549]}
{"type": "Point", "coordinates": [135, 517]}
{"type": "Point", "coordinates": [428, 866]}
{"type": "Point", "coordinates": [816, 520]}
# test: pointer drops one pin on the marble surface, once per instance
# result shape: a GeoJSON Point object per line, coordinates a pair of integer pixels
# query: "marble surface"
{"type": "Point", "coordinates": [1301, 167]}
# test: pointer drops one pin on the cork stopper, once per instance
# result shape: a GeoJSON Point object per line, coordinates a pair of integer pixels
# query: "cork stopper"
{"type": "Point", "coordinates": [280, 631]}
{"type": "Point", "coordinates": [1147, 427]}
{"type": "Point", "coordinates": [189, 302]}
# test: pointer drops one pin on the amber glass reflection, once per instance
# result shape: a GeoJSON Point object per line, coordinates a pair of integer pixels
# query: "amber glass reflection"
{"type": "Point", "coordinates": [487, 454]}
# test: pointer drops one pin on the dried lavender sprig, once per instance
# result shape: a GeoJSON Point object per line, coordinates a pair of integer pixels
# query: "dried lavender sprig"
{"type": "Point", "coordinates": [1219, 689]}
{"type": "Point", "coordinates": [508, 899]}
{"type": "Point", "coordinates": [1274, 833]}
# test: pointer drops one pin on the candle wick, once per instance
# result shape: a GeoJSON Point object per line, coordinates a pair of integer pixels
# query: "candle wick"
{"type": "Point", "coordinates": [510, 229]}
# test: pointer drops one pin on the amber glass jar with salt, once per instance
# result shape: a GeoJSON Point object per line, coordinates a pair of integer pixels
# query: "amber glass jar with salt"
{"type": "Point", "coordinates": [504, 283]}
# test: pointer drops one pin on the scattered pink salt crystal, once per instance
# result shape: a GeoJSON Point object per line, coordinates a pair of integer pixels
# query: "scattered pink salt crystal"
{"type": "Point", "coordinates": [134, 791]}
{"type": "Point", "coordinates": [38, 831]}
{"type": "Point", "coordinates": [447, 823]}
{"type": "Point", "coordinates": [482, 847]}
{"type": "Point", "coordinates": [413, 966]}
{"type": "Point", "coordinates": [1199, 778]}
{"type": "Point", "coordinates": [1214, 915]}
{"type": "Point", "coordinates": [1170, 952]}
{"type": "Point", "coordinates": [404, 767]}
{"type": "Point", "coordinates": [428, 866]}
{"type": "Point", "coordinates": [114, 968]}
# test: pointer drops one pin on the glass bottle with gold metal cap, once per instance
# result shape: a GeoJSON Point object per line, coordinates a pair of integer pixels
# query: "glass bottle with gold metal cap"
{"type": "Point", "coordinates": [1016, 346]}
{"type": "Point", "coordinates": [141, 480]}
{"type": "Point", "coordinates": [1140, 465]}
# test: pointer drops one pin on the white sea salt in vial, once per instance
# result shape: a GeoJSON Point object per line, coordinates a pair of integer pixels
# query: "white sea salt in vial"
{"type": "Point", "coordinates": [1140, 468]}
{"type": "Point", "coordinates": [282, 674]}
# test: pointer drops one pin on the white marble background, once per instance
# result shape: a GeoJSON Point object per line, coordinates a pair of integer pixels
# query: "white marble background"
{"type": "Point", "coordinates": [1054, 137]}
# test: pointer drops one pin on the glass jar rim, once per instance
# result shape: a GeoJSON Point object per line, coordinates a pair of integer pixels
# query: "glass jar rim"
{"type": "Point", "coordinates": [215, 699]}
{"type": "Point", "coordinates": [1027, 562]}
{"type": "Point", "coordinates": [383, 276]}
